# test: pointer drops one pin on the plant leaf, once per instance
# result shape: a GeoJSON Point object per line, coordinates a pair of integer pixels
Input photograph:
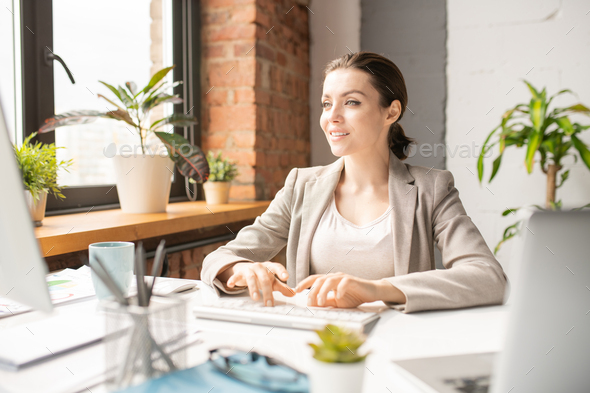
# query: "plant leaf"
{"type": "Point", "coordinates": [582, 149]}
{"type": "Point", "coordinates": [534, 91]}
{"type": "Point", "coordinates": [70, 118]}
{"type": "Point", "coordinates": [132, 87]}
{"type": "Point", "coordinates": [582, 207]}
{"type": "Point", "coordinates": [189, 159]}
{"type": "Point", "coordinates": [533, 145]}
{"type": "Point", "coordinates": [175, 120]}
{"type": "Point", "coordinates": [496, 166]}
{"type": "Point", "coordinates": [156, 78]}
{"type": "Point", "coordinates": [111, 102]}
{"type": "Point", "coordinates": [509, 211]}
{"type": "Point", "coordinates": [115, 91]}
{"type": "Point", "coordinates": [565, 124]}
{"type": "Point", "coordinates": [484, 150]}
{"type": "Point", "coordinates": [122, 115]}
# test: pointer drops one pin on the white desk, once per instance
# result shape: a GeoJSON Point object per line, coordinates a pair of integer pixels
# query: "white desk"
{"type": "Point", "coordinates": [396, 336]}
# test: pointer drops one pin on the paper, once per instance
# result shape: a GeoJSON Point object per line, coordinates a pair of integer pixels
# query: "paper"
{"type": "Point", "coordinates": [66, 286]}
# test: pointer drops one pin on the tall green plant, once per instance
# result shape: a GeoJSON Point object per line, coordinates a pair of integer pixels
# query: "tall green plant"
{"type": "Point", "coordinates": [133, 108]}
{"type": "Point", "coordinates": [39, 166]}
{"type": "Point", "coordinates": [547, 134]}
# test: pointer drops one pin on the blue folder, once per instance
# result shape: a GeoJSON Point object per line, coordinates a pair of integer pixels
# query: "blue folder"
{"type": "Point", "coordinates": [197, 379]}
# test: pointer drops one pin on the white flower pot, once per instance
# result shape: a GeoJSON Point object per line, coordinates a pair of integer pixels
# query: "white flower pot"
{"type": "Point", "coordinates": [336, 377]}
{"type": "Point", "coordinates": [216, 192]}
{"type": "Point", "coordinates": [37, 208]}
{"type": "Point", "coordinates": [143, 182]}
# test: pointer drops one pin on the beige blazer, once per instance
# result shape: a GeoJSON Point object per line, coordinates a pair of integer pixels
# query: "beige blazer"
{"type": "Point", "coordinates": [427, 210]}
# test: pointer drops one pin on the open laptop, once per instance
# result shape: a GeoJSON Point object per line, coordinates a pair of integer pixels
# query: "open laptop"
{"type": "Point", "coordinates": [547, 341]}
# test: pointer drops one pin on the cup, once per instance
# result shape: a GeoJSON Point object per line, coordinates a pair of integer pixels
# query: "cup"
{"type": "Point", "coordinates": [117, 259]}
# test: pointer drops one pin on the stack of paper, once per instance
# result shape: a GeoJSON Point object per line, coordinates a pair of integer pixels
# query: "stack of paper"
{"type": "Point", "coordinates": [67, 286]}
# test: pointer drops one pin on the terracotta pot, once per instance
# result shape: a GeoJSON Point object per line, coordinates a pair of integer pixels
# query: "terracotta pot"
{"type": "Point", "coordinates": [143, 182]}
{"type": "Point", "coordinates": [216, 192]}
{"type": "Point", "coordinates": [37, 208]}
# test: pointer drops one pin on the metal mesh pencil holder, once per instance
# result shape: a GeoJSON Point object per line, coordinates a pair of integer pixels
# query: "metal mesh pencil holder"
{"type": "Point", "coordinates": [143, 342]}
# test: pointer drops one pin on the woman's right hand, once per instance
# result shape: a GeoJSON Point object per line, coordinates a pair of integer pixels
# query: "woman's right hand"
{"type": "Point", "coordinates": [259, 276]}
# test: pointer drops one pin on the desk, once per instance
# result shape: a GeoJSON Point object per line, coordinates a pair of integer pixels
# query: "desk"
{"type": "Point", "coordinates": [396, 336]}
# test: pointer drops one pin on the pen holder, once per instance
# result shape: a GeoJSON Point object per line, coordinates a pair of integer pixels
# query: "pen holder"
{"type": "Point", "coordinates": [143, 342]}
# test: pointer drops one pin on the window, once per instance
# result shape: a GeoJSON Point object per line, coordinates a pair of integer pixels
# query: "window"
{"type": "Point", "coordinates": [114, 42]}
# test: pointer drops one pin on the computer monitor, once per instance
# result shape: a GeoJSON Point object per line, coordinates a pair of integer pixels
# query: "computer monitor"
{"type": "Point", "coordinates": [22, 267]}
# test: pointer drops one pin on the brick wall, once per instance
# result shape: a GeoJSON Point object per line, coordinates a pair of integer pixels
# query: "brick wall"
{"type": "Point", "coordinates": [255, 76]}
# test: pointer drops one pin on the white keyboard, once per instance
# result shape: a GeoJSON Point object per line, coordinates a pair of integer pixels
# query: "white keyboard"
{"type": "Point", "coordinates": [283, 315]}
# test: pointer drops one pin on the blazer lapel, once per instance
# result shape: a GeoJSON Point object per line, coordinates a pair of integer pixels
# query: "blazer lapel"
{"type": "Point", "coordinates": [315, 200]}
{"type": "Point", "coordinates": [403, 195]}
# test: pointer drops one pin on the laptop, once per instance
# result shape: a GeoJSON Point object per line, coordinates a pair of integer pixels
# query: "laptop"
{"type": "Point", "coordinates": [547, 341]}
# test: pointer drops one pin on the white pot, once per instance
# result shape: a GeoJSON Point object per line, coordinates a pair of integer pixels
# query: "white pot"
{"type": "Point", "coordinates": [216, 192]}
{"type": "Point", "coordinates": [36, 208]}
{"type": "Point", "coordinates": [143, 182]}
{"type": "Point", "coordinates": [336, 377]}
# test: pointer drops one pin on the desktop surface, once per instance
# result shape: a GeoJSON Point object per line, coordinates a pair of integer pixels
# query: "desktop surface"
{"type": "Point", "coordinates": [396, 336]}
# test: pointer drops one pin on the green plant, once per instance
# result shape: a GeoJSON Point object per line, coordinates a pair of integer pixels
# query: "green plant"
{"type": "Point", "coordinates": [221, 169]}
{"type": "Point", "coordinates": [134, 111]}
{"type": "Point", "coordinates": [39, 166]}
{"type": "Point", "coordinates": [550, 133]}
{"type": "Point", "coordinates": [338, 345]}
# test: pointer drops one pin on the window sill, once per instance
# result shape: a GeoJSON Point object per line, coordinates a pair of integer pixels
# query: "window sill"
{"type": "Point", "coordinates": [74, 232]}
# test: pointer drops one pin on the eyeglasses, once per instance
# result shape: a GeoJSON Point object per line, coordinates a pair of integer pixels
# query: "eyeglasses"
{"type": "Point", "coordinates": [258, 370]}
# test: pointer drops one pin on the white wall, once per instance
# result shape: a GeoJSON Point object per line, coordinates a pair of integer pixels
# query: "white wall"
{"type": "Point", "coordinates": [343, 18]}
{"type": "Point", "coordinates": [491, 46]}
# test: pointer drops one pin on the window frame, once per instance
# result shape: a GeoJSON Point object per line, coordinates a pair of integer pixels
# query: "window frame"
{"type": "Point", "coordinates": [38, 101]}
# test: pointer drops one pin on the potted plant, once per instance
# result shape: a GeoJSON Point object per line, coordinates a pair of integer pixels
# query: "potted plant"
{"type": "Point", "coordinates": [337, 365]}
{"type": "Point", "coordinates": [222, 172]}
{"type": "Point", "coordinates": [39, 166]}
{"type": "Point", "coordinates": [551, 135]}
{"type": "Point", "coordinates": [143, 179]}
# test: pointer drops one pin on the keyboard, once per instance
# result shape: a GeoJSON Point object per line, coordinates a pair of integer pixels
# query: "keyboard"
{"type": "Point", "coordinates": [283, 314]}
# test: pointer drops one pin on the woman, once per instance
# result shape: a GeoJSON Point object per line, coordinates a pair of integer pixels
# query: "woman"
{"type": "Point", "coordinates": [363, 228]}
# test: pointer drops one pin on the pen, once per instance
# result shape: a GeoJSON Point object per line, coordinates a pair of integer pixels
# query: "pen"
{"type": "Point", "coordinates": [139, 275]}
{"type": "Point", "coordinates": [158, 259]}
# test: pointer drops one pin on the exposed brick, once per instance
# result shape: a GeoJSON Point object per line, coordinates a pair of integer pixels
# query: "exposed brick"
{"type": "Point", "coordinates": [214, 18]}
{"type": "Point", "coordinates": [193, 273]}
{"type": "Point", "coordinates": [212, 51]}
{"type": "Point", "coordinates": [244, 49]}
{"type": "Point", "coordinates": [242, 157]}
{"type": "Point", "coordinates": [242, 193]}
{"type": "Point", "coordinates": [232, 118]}
{"type": "Point", "coordinates": [244, 14]}
{"type": "Point", "coordinates": [246, 174]}
{"type": "Point", "coordinates": [232, 32]}
{"type": "Point", "coordinates": [244, 95]}
{"type": "Point", "coordinates": [216, 97]}
{"type": "Point", "coordinates": [216, 141]}
{"type": "Point", "coordinates": [243, 73]}
{"type": "Point", "coordinates": [244, 139]}
{"type": "Point", "coordinates": [281, 59]}
{"type": "Point", "coordinates": [224, 3]}
{"type": "Point", "coordinates": [265, 52]}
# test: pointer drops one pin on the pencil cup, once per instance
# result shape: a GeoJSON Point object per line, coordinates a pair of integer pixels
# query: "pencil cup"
{"type": "Point", "coordinates": [143, 342]}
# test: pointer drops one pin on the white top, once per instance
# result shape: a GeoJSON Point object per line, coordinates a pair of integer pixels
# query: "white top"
{"type": "Point", "coordinates": [362, 251]}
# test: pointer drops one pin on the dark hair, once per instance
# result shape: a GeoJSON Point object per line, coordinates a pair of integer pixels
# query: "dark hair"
{"type": "Point", "coordinates": [388, 80]}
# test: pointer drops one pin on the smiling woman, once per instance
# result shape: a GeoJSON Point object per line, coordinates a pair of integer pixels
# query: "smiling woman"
{"type": "Point", "coordinates": [363, 228]}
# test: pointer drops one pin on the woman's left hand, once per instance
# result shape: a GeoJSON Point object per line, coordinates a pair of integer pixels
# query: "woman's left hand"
{"type": "Point", "coordinates": [347, 291]}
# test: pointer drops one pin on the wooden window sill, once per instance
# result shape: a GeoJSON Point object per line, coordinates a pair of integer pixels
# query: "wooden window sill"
{"type": "Point", "coordinates": [74, 232]}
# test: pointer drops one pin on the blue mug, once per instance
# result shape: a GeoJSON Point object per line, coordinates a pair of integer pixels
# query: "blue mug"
{"type": "Point", "coordinates": [117, 258]}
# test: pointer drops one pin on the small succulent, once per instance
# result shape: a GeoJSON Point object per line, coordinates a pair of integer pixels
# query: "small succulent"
{"type": "Point", "coordinates": [38, 165]}
{"type": "Point", "coordinates": [338, 345]}
{"type": "Point", "coordinates": [220, 169]}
